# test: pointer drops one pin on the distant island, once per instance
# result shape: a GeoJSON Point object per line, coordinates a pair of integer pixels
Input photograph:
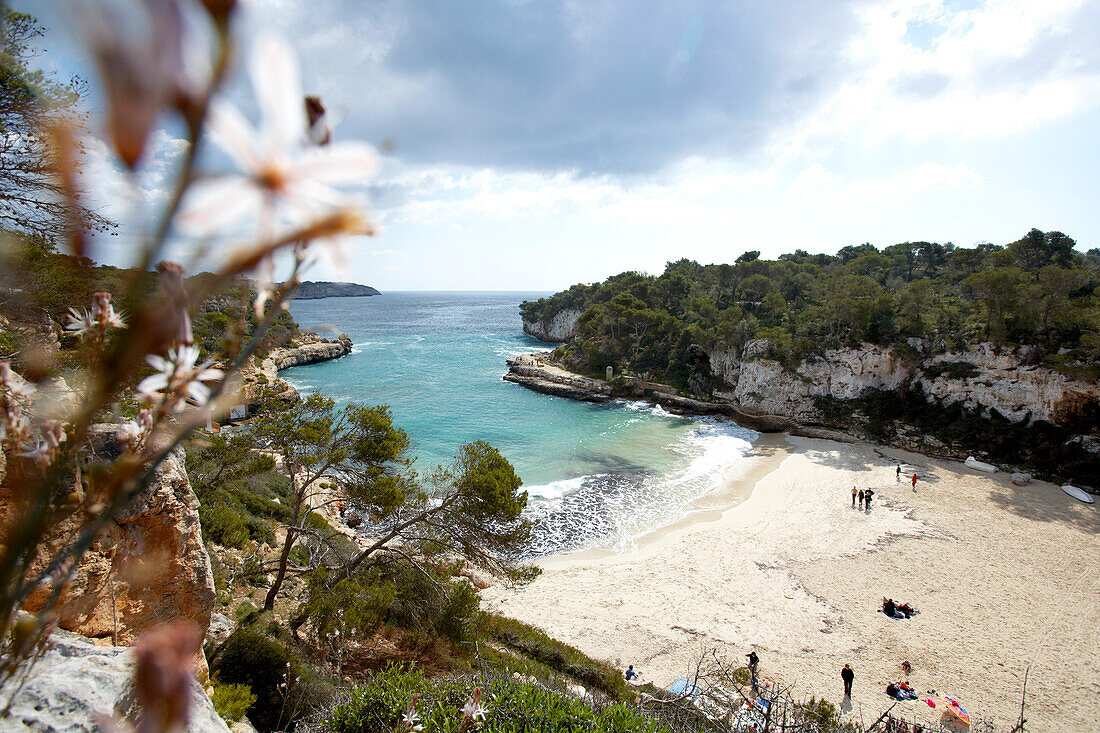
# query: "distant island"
{"type": "Point", "coordinates": [314, 290]}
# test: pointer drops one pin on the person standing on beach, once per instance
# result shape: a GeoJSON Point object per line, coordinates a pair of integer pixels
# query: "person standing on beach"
{"type": "Point", "coordinates": [867, 498]}
{"type": "Point", "coordinates": [853, 497]}
{"type": "Point", "coordinates": [899, 472]}
{"type": "Point", "coordinates": [914, 482]}
{"type": "Point", "coordinates": [754, 661]}
{"type": "Point", "coordinates": [847, 675]}
{"type": "Point", "coordinates": [861, 498]}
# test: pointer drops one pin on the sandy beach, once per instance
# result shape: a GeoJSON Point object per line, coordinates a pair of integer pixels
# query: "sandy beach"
{"type": "Point", "coordinates": [1005, 578]}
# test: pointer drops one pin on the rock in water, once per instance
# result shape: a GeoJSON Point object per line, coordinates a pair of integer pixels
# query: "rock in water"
{"type": "Point", "coordinates": [76, 683]}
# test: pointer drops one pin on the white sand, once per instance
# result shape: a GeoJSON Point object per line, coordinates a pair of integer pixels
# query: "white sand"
{"type": "Point", "coordinates": [1004, 576]}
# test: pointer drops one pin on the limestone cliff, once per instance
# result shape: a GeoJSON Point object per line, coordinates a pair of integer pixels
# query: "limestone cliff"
{"type": "Point", "coordinates": [148, 566]}
{"type": "Point", "coordinates": [982, 379]}
{"type": "Point", "coordinates": [560, 327]}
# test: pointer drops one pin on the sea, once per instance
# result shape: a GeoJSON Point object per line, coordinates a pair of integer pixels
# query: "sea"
{"type": "Point", "coordinates": [597, 475]}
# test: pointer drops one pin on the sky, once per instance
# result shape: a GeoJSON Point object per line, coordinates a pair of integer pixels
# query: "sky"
{"type": "Point", "coordinates": [532, 145]}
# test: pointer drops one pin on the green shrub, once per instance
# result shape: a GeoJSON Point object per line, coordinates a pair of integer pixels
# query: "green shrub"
{"type": "Point", "coordinates": [232, 701]}
{"type": "Point", "coordinates": [557, 655]}
{"type": "Point", "coordinates": [263, 665]}
{"type": "Point", "coordinates": [510, 705]}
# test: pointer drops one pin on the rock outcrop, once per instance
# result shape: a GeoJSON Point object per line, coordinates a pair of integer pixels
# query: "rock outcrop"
{"type": "Point", "coordinates": [561, 327]}
{"type": "Point", "coordinates": [533, 372]}
{"type": "Point", "coordinates": [147, 567]}
{"type": "Point", "coordinates": [311, 349]}
{"type": "Point", "coordinates": [314, 290]}
{"type": "Point", "coordinates": [982, 379]}
{"type": "Point", "coordinates": [78, 684]}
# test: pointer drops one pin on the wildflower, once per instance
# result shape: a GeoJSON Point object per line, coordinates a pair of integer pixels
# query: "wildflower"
{"type": "Point", "coordinates": [178, 378]}
{"type": "Point", "coordinates": [133, 432]}
{"type": "Point", "coordinates": [410, 721]}
{"type": "Point", "coordinates": [142, 73]}
{"type": "Point", "coordinates": [97, 319]}
{"type": "Point", "coordinates": [162, 676]}
{"type": "Point", "coordinates": [281, 174]}
{"type": "Point", "coordinates": [12, 384]}
{"type": "Point", "coordinates": [473, 711]}
{"type": "Point", "coordinates": [176, 299]}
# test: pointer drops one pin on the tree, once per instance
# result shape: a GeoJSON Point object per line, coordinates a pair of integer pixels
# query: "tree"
{"type": "Point", "coordinates": [997, 290]}
{"type": "Point", "coordinates": [37, 182]}
{"type": "Point", "coordinates": [1037, 250]}
{"type": "Point", "coordinates": [748, 256]}
{"type": "Point", "coordinates": [356, 455]}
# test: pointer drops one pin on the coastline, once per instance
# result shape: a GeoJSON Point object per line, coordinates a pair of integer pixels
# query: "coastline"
{"type": "Point", "coordinates": [537, 372]}
{"type": "Point", "coordinates": [795, 573]}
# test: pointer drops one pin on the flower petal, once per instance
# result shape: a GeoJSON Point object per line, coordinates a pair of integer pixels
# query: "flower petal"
{"type": "Point", "coordinates": [231, 132]}
{"type": "Point", "coordinates": [213, 205]}
{"type": "Point", "coordinates": [153, 383]}
{"type": "Point", "coordinates": [276, 78]}
{"type": "Point", "coordinates": [342, 162]}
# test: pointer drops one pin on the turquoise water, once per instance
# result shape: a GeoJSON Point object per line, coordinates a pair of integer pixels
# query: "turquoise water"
{"type": "Point", "coordinates": [597, 475]}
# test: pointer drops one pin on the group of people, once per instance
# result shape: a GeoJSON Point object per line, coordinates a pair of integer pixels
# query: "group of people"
{"type": "Point", "coordinates": [897, 610]}
{"type": "Point", "coordinates": [863, 496]}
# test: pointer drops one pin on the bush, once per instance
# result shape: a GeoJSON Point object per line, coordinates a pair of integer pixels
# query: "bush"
{"type": "Point", "coordinates": [510, 705]}
{"type": "Point", "coordinates": [557, 655]}
{"type": "Point", "coordinates": [263, 665]}
{"type": "Point", "coordinates": [232, 701]}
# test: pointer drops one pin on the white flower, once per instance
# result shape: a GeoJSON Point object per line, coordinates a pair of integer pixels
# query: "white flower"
{"type": "Point", "coordinates": [132, 432]}
{"type": "Point", "coordinates": [178, 378]}
{"type": "Point", "coordinates": [98, 318]}
{"type": "Point", "coordinates": [473, 709]}
{"type": "Point", "coordinates": [280, 172]}
{"type": "Point", "coordinates": [13, 384]}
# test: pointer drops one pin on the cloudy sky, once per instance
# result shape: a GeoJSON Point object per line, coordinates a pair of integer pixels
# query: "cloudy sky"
{"type": "Point", "coordinates": [539, 144]}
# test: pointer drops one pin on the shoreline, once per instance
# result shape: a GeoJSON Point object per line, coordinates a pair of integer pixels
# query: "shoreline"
{"type": "Point", "coordinates": [795, 573]}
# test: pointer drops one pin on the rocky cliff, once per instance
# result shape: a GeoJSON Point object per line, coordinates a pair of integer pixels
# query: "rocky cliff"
{"type": "Point", "coordinates": [314, 290]}
{"type": "Point", "coordinates": [311, 349]}
{"type": "Point", "coordinates": [560, 327]}
{"type": "Point", "coordinates": [983, 379]}
{"type": "Point", "coordinates": [148, 566]}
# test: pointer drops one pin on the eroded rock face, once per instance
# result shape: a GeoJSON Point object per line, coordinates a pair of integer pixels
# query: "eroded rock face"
{"type": "Point", "coordinates": [982, 379]}
{"type": "Point", "coordinates": [559, 328]}
{"type": "Point", "coordinates": [76, 683]}
{"type": "Point", "coordinates": [148, 566]}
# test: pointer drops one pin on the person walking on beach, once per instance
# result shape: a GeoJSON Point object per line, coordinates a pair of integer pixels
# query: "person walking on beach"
{"type": "Point", "coordinates": [847, 675]}
{"type": "Point", "coordinates": [899, 473]}
{"type": "Point", "coordinates": [914, 482]}
{"type": "Point", "coordinates": [861, 495]}
{"type": "Point", "coordinates": [867, 498]}
{"type": "Point", "coordinates": [853, 497]}
{"type": "Point", "coordinates": [754, 661]}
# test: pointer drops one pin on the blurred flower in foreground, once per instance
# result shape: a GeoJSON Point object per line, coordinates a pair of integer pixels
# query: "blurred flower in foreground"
{"type": "Point", "coordinates": [162, 676]}
{"type": "Point", "coordinates": [176, 300]}
{"type": "Point", "coordinates": [97, 319]}
{"type": "Point", "coordinates": [143, 73]}
{"type": "Point", "coordinates": [178, 379]}
{"type": "Point", "coordinates": [281, 174]}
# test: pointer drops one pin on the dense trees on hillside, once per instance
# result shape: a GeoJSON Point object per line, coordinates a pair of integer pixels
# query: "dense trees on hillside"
{"type": "Point", "coordinates": [1038, 290]}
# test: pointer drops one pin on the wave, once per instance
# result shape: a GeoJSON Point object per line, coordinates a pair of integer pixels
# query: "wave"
{"type": "Point", "coordinates": [614, 509]}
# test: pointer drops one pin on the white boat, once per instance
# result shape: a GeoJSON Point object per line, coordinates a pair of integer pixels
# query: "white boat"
{"type": "Point", "coordinates": [1079, 494]}
{"type": "Point", "coordinates": [972, 462]}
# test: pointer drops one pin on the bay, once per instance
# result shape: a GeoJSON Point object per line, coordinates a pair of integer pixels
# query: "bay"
{"type": "Point", "coordinates": [597, 475]}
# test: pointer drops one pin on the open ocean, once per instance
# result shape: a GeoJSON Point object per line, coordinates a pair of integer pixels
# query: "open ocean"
{"type": "Point", "coordinates": [596, 475]}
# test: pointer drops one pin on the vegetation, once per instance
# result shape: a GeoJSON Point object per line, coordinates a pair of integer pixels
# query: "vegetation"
{"type": "Point", "coordinates": [513, 705]}
{"type": "Point", "coordinates": [1037, 291]}
{"type": "Point", "coordinates": [40, 119]}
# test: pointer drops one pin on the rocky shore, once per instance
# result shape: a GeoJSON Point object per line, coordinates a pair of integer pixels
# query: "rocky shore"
{"type": "Point", "coordinates": [310, 349]}
{"type": "Point", "coordinates": [538, 372]}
